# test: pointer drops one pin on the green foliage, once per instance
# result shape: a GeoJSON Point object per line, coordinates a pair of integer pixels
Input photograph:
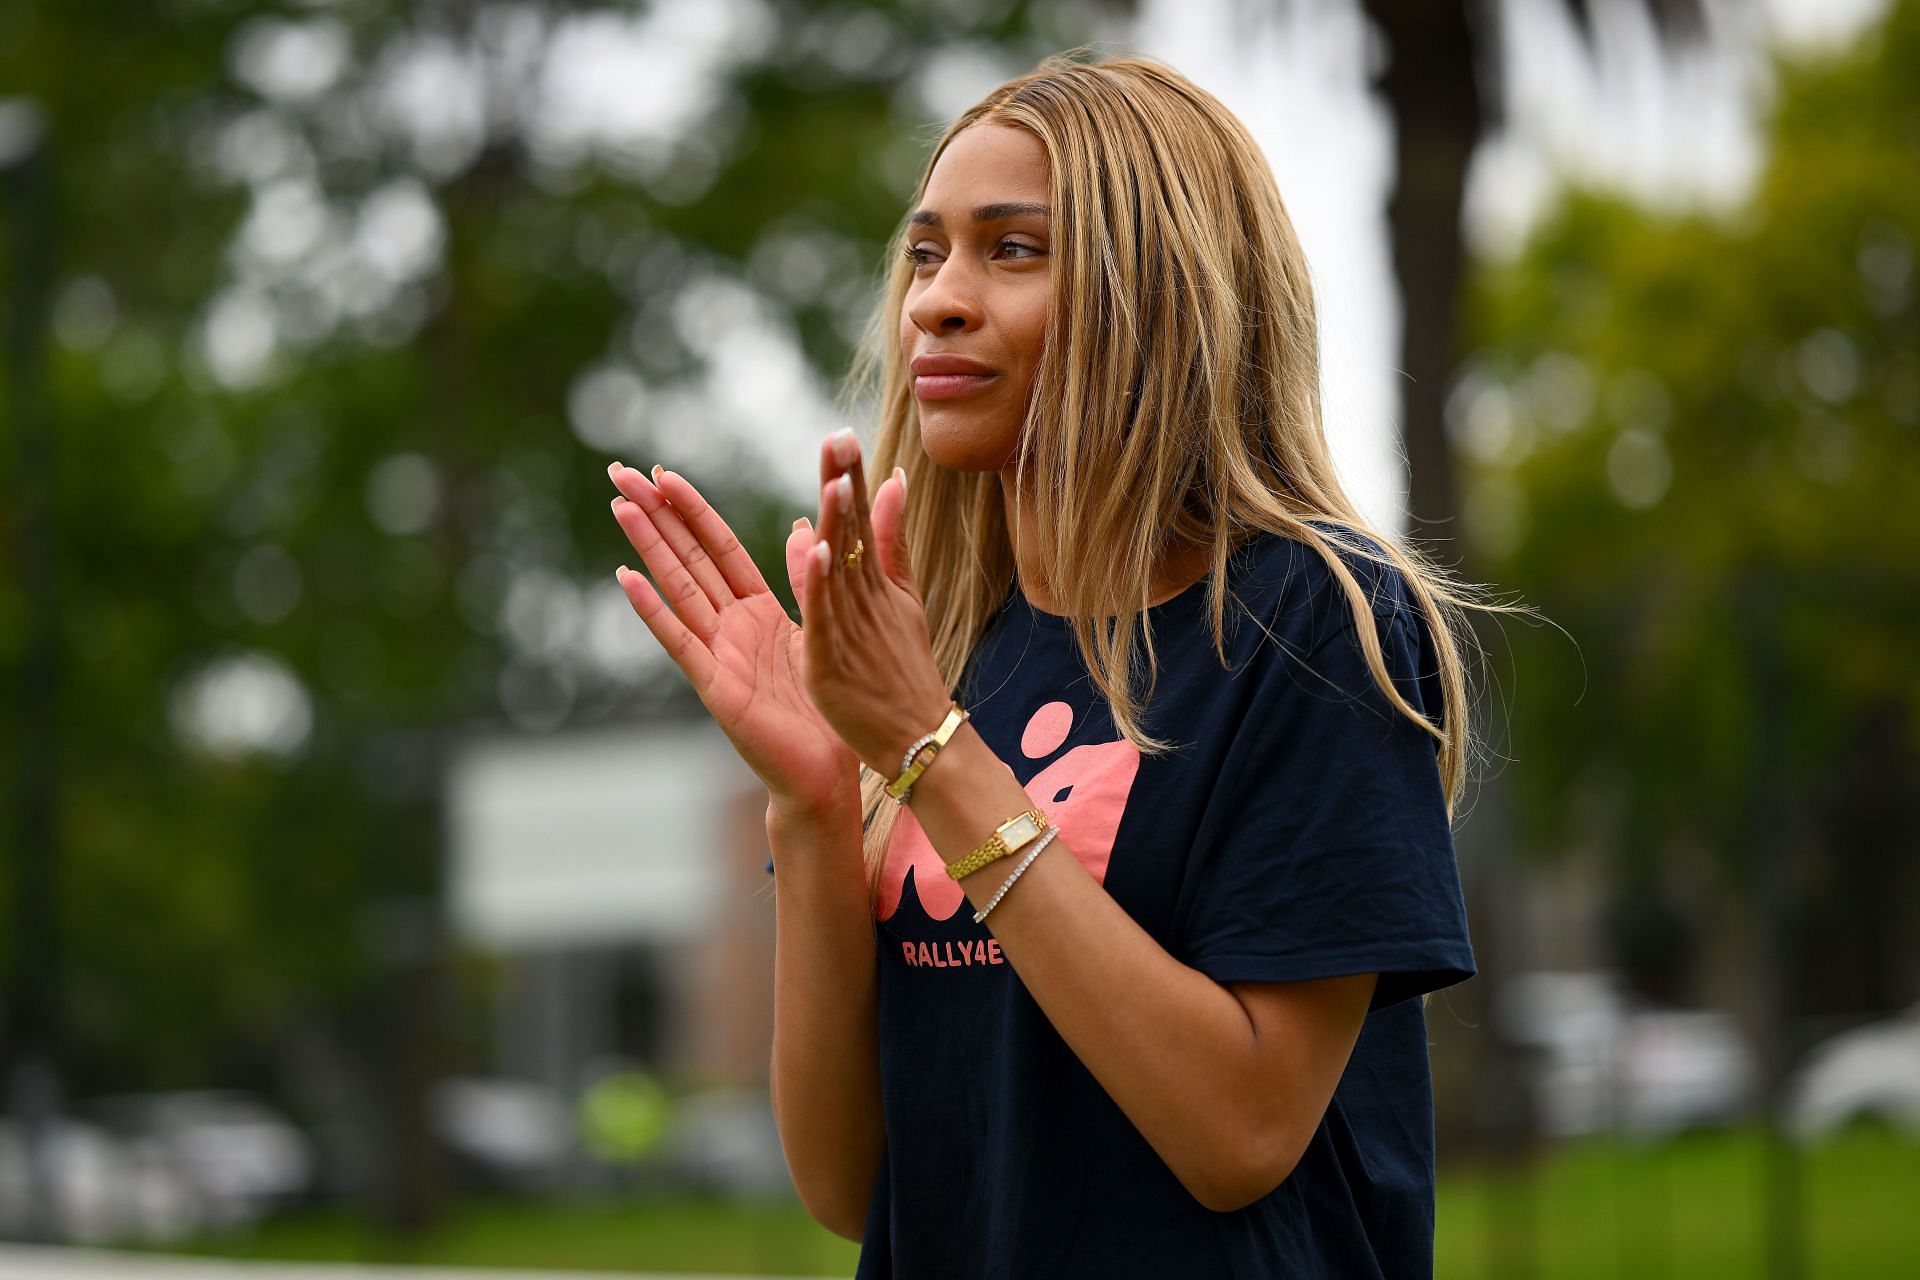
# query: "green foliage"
{"type": "Point", "coordinates": [1694, 442]}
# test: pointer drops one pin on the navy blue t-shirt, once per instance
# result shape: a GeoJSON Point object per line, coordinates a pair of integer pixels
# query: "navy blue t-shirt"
{"type": "Point", "coordinates": [1298, 831]}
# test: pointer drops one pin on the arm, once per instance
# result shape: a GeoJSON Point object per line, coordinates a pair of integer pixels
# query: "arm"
{"type": "Point", "coordinates": [826, 1056]}
{"type": "Point", "coordinates": [1228, 1083]}
{"type": "Point", "coordinates": [741, 652]}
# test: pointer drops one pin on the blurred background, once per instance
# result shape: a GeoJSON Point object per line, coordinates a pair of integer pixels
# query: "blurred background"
{"type": "Point", "coordinates": [374, 889]}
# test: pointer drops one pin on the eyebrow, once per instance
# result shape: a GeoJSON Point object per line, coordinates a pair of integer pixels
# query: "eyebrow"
{"type": "Point", "coordinates": [986, 212]}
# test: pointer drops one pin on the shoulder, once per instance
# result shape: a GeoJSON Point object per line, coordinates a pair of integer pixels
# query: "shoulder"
{"type": "Point", "coordinates": [1293, 592]}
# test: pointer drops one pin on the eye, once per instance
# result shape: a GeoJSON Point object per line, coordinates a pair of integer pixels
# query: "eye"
{"type": "Point", "coordinates": [914, 254]}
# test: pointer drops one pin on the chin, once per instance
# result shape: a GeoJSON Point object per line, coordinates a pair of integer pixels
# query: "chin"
{"type": "Point", "coordinates": [962, 441]}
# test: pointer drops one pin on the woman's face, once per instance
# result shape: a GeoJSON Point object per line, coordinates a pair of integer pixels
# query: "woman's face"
{"type": "Point", "coordinates": [981, 291]}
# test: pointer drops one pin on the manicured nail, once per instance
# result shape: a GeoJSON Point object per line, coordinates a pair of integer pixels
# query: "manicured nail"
{"type": "Point", "coordinates": [798, 525]}
{"type": "Point", "coordinates": [613, 469]}
{"type": "Point", "coordinates": [657, 469]}
{"type": "Point", "coordinates": [846, 447]}
{"type": "Point", "coordinates": [845, 482]}
{"type": "Point", "coordinates": [620, 574]}
{"type": "Point", "coordinates": [900, 474]}
{"type": "Point", "coordinates": [615, 504]}
{"type": "Point", "coordinates": [823, 557]}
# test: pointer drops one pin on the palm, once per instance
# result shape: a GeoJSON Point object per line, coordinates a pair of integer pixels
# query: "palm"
{"type": "Point", "coordinates": [756, 693]}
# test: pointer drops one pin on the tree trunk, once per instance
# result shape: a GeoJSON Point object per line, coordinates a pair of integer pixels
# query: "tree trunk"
{"type": "Point", "coordinates": [1433, 93]}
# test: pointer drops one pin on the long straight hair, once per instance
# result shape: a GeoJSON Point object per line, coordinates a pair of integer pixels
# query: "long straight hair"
{"type": "Point", "coordinates": [1176, 402]}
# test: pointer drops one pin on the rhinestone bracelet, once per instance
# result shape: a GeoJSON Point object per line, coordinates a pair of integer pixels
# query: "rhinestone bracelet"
{"type": "Point", "coordinates": [1025, 862]}
{"type": "Point", "coordinates": [901, 788]}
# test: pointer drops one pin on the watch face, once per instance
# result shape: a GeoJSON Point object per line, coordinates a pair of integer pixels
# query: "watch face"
{"type": "Point", "coordinates": [1019, 831]}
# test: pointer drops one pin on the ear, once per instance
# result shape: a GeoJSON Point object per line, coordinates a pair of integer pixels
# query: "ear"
{"type": "Point", "coordinates": [890, 531]}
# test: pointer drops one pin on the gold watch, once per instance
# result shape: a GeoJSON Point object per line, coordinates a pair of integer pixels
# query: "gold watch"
{"type": "Point", "coordinates": [1009, 837]}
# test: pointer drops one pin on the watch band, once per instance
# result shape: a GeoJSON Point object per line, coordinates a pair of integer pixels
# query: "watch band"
{"type": "Point", "coordinates": [1009, 837]}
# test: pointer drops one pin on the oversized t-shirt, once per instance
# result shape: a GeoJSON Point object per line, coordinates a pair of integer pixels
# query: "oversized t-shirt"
{"type": "Point", "coordinates": [1298, 831]}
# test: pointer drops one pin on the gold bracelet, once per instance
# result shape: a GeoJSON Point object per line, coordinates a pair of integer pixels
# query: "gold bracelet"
{"type": "Point", "coordinates": [1009, 837]}
{"type": "Point", "coordinates": [921, 753]}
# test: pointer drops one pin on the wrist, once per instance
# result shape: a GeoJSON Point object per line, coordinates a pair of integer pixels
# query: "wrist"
{"type": "Point", "coordinates": [840, 806]}
{"type": "Point", "coordinates": [927, 721]}
{"type": "Point", "coordinates": [955, 771]}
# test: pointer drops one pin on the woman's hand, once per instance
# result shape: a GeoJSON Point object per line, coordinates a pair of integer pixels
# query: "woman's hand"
{"type": "Point", "coordinates": [869, 651]}
{"type": "Point", "coordinates": [731, 636]}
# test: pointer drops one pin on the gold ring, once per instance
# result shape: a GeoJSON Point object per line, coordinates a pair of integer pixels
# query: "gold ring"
{"type": "Point", "coordinates": [859, 549]}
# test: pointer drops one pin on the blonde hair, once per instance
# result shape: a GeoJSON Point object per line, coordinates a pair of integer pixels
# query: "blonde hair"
{"type": "Point", "coordinates": [1176, 402]}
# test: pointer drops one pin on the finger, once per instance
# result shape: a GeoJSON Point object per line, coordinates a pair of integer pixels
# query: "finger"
{"type": "Point", "coordinates": [799, 543]}
{"type": "Point", "coordinates": [682, 645]}
{"type": "Point", "coordinates": [677, 586]}
{"type": "Point", "coordinates": [816, 603]}
{"type": "Point", "coordinates": [838, 528]}
{"type": "Point", "coordinates": [859, 519]}
{"type": "Point", "coordinates": [890, 532]}
{"type": "Point", "coordinates": [831, 525]}
{"type": "Point", "coordinates": [694, 559]}
{"type": "Point", "coordinates": [716, 538]}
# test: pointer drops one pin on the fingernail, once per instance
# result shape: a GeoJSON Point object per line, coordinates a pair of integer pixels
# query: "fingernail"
{"type": "Point", "coordinates": [613, 468]}
{"type": "Point", "coordinates": [846, 491]}
{"type": "Point", "coordinates": [823, 557]}
{"type": "Point", "coordinates": [900, 474]}
{"type": "Point", "coordinates": [619, 575]}
{"type": "Point", "coordinates": [846, 447]}
{"type": "Point", "coordinates": [615, 504]}
{"type": "Point", "coordinates": [657, 469]}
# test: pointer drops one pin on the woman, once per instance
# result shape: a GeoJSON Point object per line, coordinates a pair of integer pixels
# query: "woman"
{"type": "Point", "coordinates": [1123, 981]}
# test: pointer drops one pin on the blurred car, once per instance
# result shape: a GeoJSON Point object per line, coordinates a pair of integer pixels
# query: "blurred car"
{"type": "Point", "coordinates": [504, 1132]}
{"type": "Point", "coordinates": [726, 1140]}
{"type": "Point", "coordinates": [238, 1156]}
{"type": "Point", "coordinates": [101, 1189]}
{"type": "Point", "coordinates": [1872, 1071]}
{"type": "Point", "coordinates": [1685, 1069]}
{"type": "Point", "coordinates": [1605, 1062]}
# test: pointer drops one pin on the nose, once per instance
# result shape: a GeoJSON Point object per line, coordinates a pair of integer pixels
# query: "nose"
{"type": "Point", "coordinates": [950, 302]}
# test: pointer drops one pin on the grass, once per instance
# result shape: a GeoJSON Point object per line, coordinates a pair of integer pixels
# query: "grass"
{"type": "Point", "coordinates": [1695, 1207]}
{"type": "Point", "coordinates": [1692, 1208]}
{"type": "Point", "coordinates": [688, 1233]}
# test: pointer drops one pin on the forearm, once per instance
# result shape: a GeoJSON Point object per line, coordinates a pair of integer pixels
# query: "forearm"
{"type": "Point", "coordinates": [1173, 1048]}
{"type": "Point", "coordinates": [826, 1059]}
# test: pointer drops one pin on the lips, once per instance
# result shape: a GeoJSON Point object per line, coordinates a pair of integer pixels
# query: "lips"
{"type": "Point", "coordinates": [942, 376]}
{"type": "Point", "coordinates": [947, 362]}
{"type": "Point", "coordinates": [945, 386]}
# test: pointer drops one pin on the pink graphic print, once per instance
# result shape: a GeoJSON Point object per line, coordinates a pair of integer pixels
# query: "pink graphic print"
{"type": "Point", "coordinates": [1083, 792]}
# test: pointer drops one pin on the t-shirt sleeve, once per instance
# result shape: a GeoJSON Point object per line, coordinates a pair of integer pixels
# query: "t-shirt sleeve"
{"type": "Point", "coordinates": [1326, 849]}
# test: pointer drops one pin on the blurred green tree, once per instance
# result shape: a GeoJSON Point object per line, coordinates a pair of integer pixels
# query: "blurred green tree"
{"type": "Point", "coordinates": [1694, 442]}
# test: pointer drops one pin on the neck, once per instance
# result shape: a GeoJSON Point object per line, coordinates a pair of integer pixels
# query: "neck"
{"type": "Point", "coordinates": [1173, 575]}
